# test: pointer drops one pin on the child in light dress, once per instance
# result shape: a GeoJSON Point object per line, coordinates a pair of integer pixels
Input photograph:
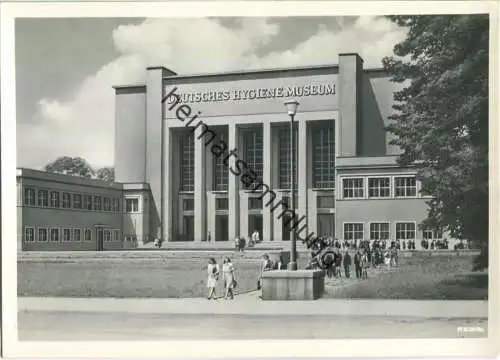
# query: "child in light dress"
{"type": "Point", "coordinates": [213, 276]}
{"type": "Point", "coordinates": [229, 278]}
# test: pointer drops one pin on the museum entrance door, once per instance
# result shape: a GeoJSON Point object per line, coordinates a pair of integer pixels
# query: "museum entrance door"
{"type": "Point", "coordinates": [255, 223]}
{"type": "Point", "coordinates": [100, 239]}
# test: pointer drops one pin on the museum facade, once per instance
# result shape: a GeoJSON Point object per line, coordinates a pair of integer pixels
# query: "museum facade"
{"type": "Point", "coordinates": [206, 157]}
{"type": "Point", "coordinates": [202, 142]}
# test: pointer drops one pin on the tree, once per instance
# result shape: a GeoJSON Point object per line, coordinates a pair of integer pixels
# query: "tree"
{"type": "Point", "coordinates": [76, 166]}
{"type": "Point", "coordinates": [441, 118]}
{"type": "Point", "coordinates": [106, 174]}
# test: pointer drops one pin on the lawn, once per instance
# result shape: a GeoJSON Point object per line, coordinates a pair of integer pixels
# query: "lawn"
{"type": "Point", "coordinates": [126, 277]}
{"type": "Point", "coordinates": [423, 278]}
{"type": "Point", "coordinates": [418, 277]}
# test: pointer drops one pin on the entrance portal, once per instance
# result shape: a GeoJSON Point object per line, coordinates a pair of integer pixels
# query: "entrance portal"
{"type": "Point", "coordinates": [100, 239]}
{"type": "Point", "coordinates": [221, 228]}
{"type": "Point", "coordinates": [255, 223]}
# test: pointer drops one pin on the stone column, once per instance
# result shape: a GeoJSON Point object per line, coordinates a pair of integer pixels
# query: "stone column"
{"type": "Point", "coordinates": [277, 223]}
{"type": "Point", "coordinates": [200, 192]}
{"type": "Point", "coordinates": [312, 215]}
{"type": "Point", "coordinates": [211, 215]}
{"type": "Point", "coordinates": [233, 185]}
{"type": "Point", "coordinates": [244, 215]}
{"type": "Point", "coordinates": [267, 221]}
{"type": "Point", "coordinates": [302, 173]}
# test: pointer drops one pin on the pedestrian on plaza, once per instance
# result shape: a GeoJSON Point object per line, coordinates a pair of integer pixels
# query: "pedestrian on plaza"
{"type": "Point", "coordinates": [338, 264]}
{"type": "Point", "coordinates": [347, 264]}
{"type": "Point", "coordinates": [243, 243]}
{"type": "Point", "coordinates": [280, 265]}
{"type": "Point", "coordinates": [329, 260]}
{"type": "Point", "coordinates": [209, 236]}
{"type": "Point", "coordinates": [387, 258]}
{"type": "Point", "coordinates": [229, 278]}
{"type": "Point", "coordinates": [364, 266]}
{"type": "Point", "coordinates": [213, 276]}
{"type": "Point", "coordinates": [267, 265]}
{"type": "Point", "coordinates": [357, 264]}
{"type": "Point", "coordinates": [255, 237]}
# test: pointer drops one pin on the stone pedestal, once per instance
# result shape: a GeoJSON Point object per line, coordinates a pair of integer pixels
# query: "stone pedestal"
{"type": "Point", "coordinates": [293, 285]}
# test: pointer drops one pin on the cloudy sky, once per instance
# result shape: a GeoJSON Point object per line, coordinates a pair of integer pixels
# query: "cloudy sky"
{"type": "Point", "coordinates": [65, 68]}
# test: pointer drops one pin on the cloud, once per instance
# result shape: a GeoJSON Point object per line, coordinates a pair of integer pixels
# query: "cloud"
{"type": "Point", "coordinates": [84, 124]}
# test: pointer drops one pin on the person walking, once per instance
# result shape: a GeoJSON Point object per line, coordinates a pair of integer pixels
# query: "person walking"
{"type": "Point", "coordinates": [255, 237]}
{"type": "Point", "coordinates": [229, 278]}
{"type": "Point", "coordinates": [267, 265]}
{"type": "Point", "coordinates": [213, 276]}
{"type": "Point", "coordinates": [280, 265]}
{"type": "Point", "coordinates": [338, 264]}
{"type": "Point", "coordinates": [347, 264]}
{"type": "Point", "coordinates": [357, 264]}
{"type": "Point", "coordinates": [364, 266]}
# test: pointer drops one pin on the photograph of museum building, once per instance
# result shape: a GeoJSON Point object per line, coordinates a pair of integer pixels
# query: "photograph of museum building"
{"type": "Point", "coordinates": [183, 144]}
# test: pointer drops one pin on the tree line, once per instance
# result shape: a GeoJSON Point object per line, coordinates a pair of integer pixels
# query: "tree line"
{"type": "Point", "coordinates": [77, 166]}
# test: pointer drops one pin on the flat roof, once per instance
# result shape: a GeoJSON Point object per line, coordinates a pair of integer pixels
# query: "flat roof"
{"type": "Point", "coordinates": [244, 72]}
{"type": "Point", "coordinates": [76, 180]}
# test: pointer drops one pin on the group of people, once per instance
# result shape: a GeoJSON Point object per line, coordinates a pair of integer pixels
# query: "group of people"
{"type": "Point", "coordinates": [228, 276]}
{"type": "Point", "coordinates": [332, 255]}
{"type": "Point", "coordinates": [240, 242]}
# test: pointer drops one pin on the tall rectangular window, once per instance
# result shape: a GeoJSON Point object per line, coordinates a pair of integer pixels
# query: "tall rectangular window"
{"type": "Point", "coordinates": [66, 203]}
{"type": "Point", "coordinates": [29, 197]}
{"type": "Point", "coordinates": [221, 170]}
{"type": "Point", "coordinates": [405, 231]}
{"type": "Point", "coordinates": [221, 204]}
{"type": "Point", "coordinates": [54, 234]}
{"type": "Point", "coordinates": [29, 234]}
{"type": "Point", "coordinates": [353, 231]}
{"type": "Point", "coordinates": [132, 205]}
{"type": "Point", "coordinates": [379, 187]}
{"type": "Point", "coordinates": [42, 234]}
{"type": "Point", "coordinates": [255, 203]}
{"type": "Point", "coordinates": [323, 140]}
{"type": "Point", "coordinates": [54, 199]}
{"type": "Point", "coordinates": [97, 203]}
{"type": "Point", "coordinates": [107, 203]}
{"type": "Point", "coordinates": [379, 231]}
{"type": "Point", "coordinates": [353, 188]}
{"type": "Point", "coordinates": [77, 201]}
{"type": "Point", "coordinates": [253, 151]}
{"type": "Point", "coordinates": [285, 157]}
{"type": "Point", "coordinates": [187, 161]}
{"type": "Point", "coordinates": [43, 198]}
{"type": "Point", "coordinates": [405, 186]}
{"type": "Point", "coordinates": [188, 204]}
{"type": "Point", "coordinates": [87, 234]}
{"type": "Point", "coordinates": [87, 202]}
{"type": "Point", "coordinates": [66, 234]}
{"type": "Point", "coordinates": [77, 235]}
{"type": "Point", "coordinates": [116, 204]}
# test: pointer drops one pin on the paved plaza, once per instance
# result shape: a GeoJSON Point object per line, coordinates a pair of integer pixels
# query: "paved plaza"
{"type": "Point", "coordinates": [246, 317]}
